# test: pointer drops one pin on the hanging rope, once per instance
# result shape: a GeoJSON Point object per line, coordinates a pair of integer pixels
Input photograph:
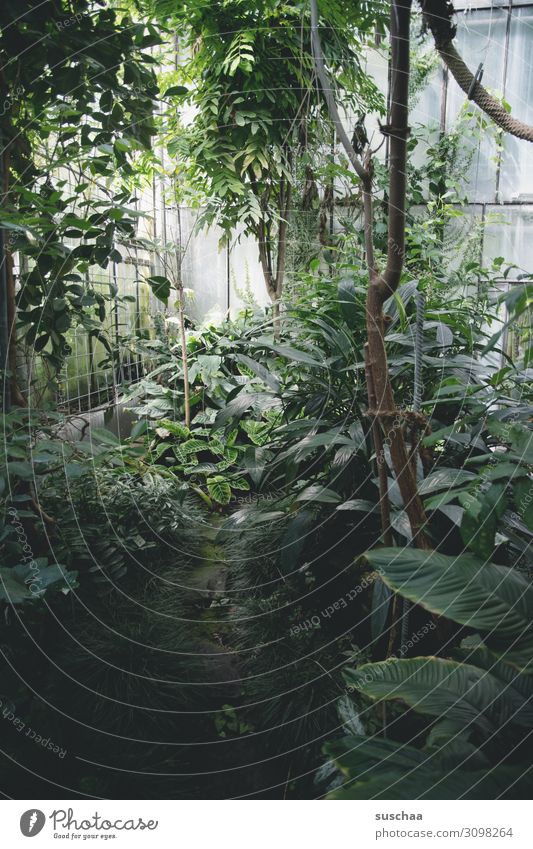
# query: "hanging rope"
{"type": "Point", "coordinates": [438, 17]}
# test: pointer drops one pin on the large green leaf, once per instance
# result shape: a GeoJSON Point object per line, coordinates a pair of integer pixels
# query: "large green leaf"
{"type": "Point", "coordinates": [348, 300]}
{"type": "Point", "coordinates": [237, 406]}
{"type": "Point", "coordinates": [316, 492]}
{"type": "Point", "coordinates": [102, 434]}
{"type": "Point", "coordinates": [483, 509]}
{"type": "Point", "coordinates": [494, 599]}
{"type": "Point", "coordinates": [12, 587]}
{"type": "Point", "coordinates": [360, 505]}
{"type": "Point", "coordinates": [160, 286]}
{"type": "Point", "coordinates": [444, 479]}
{"type": "Point", "coordinates": [378, 768]}
{"type": "Point", "coordinates": [443, 688]}
{"type": "Point", "coordinates": [288, 352]}
{"type": "Point", "coordinates": [357, 756]}
{"type": "Point", "coordinates": [519, 437]}
{"type": "Point", "coordinates": [381, 598]}
{"type": "Point", "coordinates": [364, 757]}
{"type": "Point", "coordinates": [257, 368]}
{"type": "Point", "coordinates": [318, 440]}
{"type": "Point", "coordinates": [523, 499]}
{"type": "Point", "coordinates": [258, 432]}
{"type": "Point", "coordinates": [219, 489]}
{"type": "Point", "coordinates": [511, 677]}
{"type": "Point", "coordinates": [294, 539]}
{"type": "Point", "coordinates": [30, 581]}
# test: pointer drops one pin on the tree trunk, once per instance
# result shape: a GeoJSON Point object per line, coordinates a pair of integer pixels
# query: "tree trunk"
{"type": "Point", "coordinates": [385, 416]}
{"type": "Point", "coordinates": [184, 360]}
{"type": "Point", "coordinates": [265, 258]}
{"type": "Point", "coordinates": [16, 396]}
{"type": "Point", "coordinates": [383, 285]}
{"type": "Point", "coordinates": [389, 418]}
{"type": "Point", "coordinates": [183, 337]}
{"type": "Point", "coordinates": [281, 259]}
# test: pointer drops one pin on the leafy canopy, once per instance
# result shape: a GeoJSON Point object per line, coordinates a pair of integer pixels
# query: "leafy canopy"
{"type": "Point", "coordinates": [254, 98]}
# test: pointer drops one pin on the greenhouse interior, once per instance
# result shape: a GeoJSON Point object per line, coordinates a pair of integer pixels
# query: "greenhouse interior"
{"type": "Point", "coordinates": [265, 340]}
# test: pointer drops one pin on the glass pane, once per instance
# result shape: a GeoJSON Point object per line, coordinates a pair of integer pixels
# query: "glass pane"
{"type": "Point", "coordinates": [425, 101]}
{"type": "Point", "coordinates": [463, 238]}
{"type": "Point", "coordinates": [425, 104]}
{"type": "Point", "coordinates": [204, 269]}
{"type": "Point", "coordinates": [518, 337]}
{"type": "Point", "coordinates": [510, 235]}
{"type": "Point", "coordinates": [468, 5]}
{"type": "Point", "coordinates": [247, 284]}
{"type": "Point", "coordinates": [480, 38]}
{"type": "Point", "coordinates": [516, 181]}
{"type": "Point", "coordinates": [376, 64]}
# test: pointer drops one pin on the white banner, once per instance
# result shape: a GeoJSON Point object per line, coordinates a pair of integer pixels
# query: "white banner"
{"type": "Point", "coordinates": [267, 824]}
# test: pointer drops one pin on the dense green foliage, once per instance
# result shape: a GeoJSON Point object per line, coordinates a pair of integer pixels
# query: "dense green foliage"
{"type": "Point", "coordinates": [77, 88]}
{"type": "Point", "coordinates": [257, 120]}
{"type": "Point", "coordinates": [216, 609]}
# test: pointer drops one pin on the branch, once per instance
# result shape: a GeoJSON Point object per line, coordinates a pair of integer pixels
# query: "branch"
{"type": "Point", "coordinates": [368, 220]}
{"type": "Point", "coordinates": [325, 85]}
{"type": "Point", "coordinates": [265, 259]}
{"type": "Point", "coordinates": [282, 238]}
{"type": "Point", "coordinates": [36, 505]}
{"type": "Point", "coordinates": [183, 335]}
{"type": "Point", "coordinates": [377, 436]}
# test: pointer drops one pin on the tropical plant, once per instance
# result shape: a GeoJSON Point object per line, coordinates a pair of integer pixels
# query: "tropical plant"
{"type": "Point", "coordinates": [72, 121]}
{"type": "Point", "coordinates": [474, 705]}
{"type": "Point", "coordinates": [29, 455]}
{"type": "Point", "coordinates": [474, 700]}
{"type": "Point", "coordinates": [250, 70]}
{"type": "Point", "coordinates": [123, 666]}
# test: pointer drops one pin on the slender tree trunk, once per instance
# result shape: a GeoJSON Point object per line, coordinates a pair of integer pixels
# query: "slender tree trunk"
{"type": "Point", "coordinates": [281, 258]}
{"type": "Point", "coordinates": [274, 277]}
{"type": "Point", "coordinates": [377, 438]}
{"type": "Point", "coordinates": [184, 360]}
{"type": "Point", "coordinates": [265, 258]}
{"type": "Point", "coordinates": [389, 417]}
{"type": "Point", "coordinates": [16, 396]}
{"type": "Point", "coordinates": [385, 284]}
{"type": "Point", "coordinates": [385, 416]}
{"type": "Point", "coordinates": [183, 336]}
